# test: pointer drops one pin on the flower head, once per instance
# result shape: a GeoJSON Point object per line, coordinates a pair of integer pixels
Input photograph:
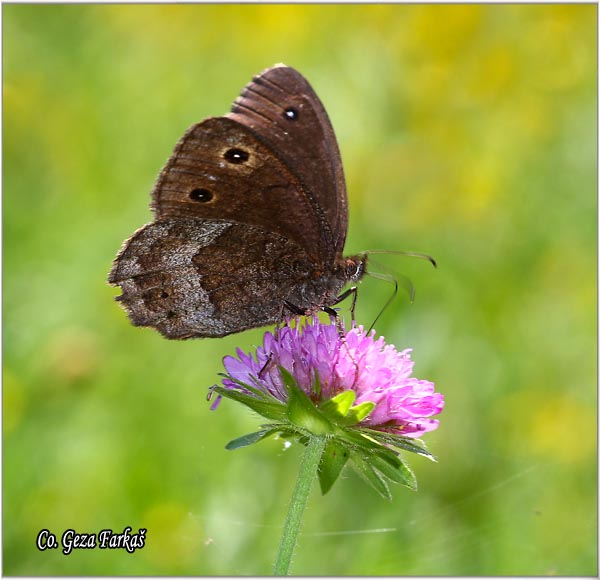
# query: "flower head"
{"type": "Point", "coordinates": [353, 390]}
{"type": "Point", "coordinates": [325, 362]}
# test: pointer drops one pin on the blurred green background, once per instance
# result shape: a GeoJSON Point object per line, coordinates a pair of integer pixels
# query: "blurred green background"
{"type": "Point", "coordinates": [467, 132]}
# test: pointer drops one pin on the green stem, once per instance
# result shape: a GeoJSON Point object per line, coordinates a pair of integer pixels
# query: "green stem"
{"type": "Point", "coordinates": [308, 471]}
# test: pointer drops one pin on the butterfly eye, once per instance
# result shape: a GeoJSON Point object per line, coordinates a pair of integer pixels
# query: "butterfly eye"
{"type": "Point", "coordinates": [201, 195]}
{"type": "Point", "coordinates": [291, 113]}
{"type": "Point", "coordinates": [236, 155]}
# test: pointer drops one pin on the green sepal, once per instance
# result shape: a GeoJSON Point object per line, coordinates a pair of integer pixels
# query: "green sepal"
{"type": "Point", "coordinates": [284, 430]}
{"type": "Point", "coordinates": [359, 412]}
{"type": "Point", "coordinates": [333, 460]}
{"type": "Point", "coordinates": [301, 410]}
{"type": "Point", "coordinates": [339, 406]}
{"type": "Point", "coordinates": [376, 463]}
{"type": "Point", "coordinates": [275, 411]}
{"type": "Point", "coordinates": [407, 443]}
{"type": "Point", "coordinates": [249, 439]}
{"type": "Point", "coordinates": [340, 410]}
{"type": "Point", "coordinates": [256, 391]}
{"type": "Point", "coordinates": [356, 440]}
{"type": "Point", "coordinates": [394, 469]}
{"type": "Point", "coordinates": [372, 476]}
{"type": "Point", "coordinates": [374, 453]}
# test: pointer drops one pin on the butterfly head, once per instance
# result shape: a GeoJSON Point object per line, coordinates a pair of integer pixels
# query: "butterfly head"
{"type": "Point", "coordinates": [355, 267]}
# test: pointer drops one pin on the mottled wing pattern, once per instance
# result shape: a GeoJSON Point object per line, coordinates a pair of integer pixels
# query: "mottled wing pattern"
{"type": "Point", "coordinates": [198, 278]}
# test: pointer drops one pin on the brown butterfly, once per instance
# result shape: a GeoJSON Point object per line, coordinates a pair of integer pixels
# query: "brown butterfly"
{"type": "Point", "coordinates": [250, 219]}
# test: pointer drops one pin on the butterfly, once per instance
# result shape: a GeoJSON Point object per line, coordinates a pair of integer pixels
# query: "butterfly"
{"type": "Point", "coordinates": [250, 219]}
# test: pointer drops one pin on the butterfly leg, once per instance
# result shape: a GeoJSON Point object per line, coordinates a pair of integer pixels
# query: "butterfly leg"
{"type": "Point", "coordinates": [331, 311]}
{"type": "Point", "coordinates": [351, 291]}
{"type": "Point", "coordinates": [295, 310]}
{"type": "Point", "coordinates": [340, 328]}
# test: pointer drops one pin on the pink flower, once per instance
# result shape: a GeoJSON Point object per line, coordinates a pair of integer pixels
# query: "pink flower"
{"type": "Point", "coordinates": [325, 362]}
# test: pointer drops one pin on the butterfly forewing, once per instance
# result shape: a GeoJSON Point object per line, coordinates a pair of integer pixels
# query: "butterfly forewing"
{"type": "Point", "coordinates": [283, 110]}
{"type": "Point", "coordinates": [219, 170]}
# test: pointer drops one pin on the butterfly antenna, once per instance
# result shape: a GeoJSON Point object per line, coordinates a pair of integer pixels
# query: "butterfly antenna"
{"type": "Point", "coordinates": [419, 255]}
{"type": "Point", "coordinates": [397, 278]}
{"type": "Point", "coordinates": [394, 281]}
